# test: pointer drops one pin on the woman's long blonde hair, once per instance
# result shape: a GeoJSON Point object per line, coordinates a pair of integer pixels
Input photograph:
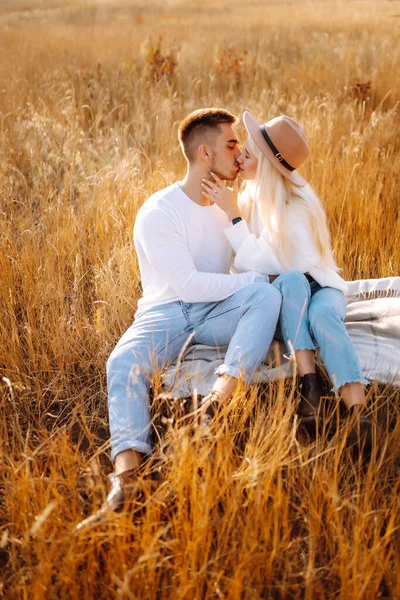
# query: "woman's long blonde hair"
{"type": "Point", "coordinates": [273, 193]}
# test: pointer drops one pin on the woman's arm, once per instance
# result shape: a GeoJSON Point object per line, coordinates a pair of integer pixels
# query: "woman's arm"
{"type": "Point", "coordinates": [258, 252]}
{"type": "Point", "coordinates": [251, 250]}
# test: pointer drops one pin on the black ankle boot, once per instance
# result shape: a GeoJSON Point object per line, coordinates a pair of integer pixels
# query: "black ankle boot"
{"type": "Point", "coordinates": [310, 401]}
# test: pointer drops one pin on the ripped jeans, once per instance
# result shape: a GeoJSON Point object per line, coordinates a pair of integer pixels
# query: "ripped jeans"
{"type": "Point", "coordinates": [312, 315]}
{"type": "Point", "coordinates": [246, 321]}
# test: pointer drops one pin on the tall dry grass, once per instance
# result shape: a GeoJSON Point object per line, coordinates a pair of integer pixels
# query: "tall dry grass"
{"type": "Point", "coordinates": [90, 99]}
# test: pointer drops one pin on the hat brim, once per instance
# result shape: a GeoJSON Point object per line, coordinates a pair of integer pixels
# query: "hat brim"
{"type": "Point", "coordinates": [253, 128]}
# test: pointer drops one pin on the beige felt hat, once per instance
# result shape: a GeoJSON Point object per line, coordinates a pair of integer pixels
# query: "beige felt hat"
{"type": "Point", "coordinates": [283, 142]}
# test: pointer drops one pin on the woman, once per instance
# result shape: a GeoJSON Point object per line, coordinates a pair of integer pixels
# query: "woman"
{"type": "Point", "coordinates": [286, 237]}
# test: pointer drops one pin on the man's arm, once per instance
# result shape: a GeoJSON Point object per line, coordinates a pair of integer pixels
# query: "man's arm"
{"type": "Point", "coordinates": [167, 252]}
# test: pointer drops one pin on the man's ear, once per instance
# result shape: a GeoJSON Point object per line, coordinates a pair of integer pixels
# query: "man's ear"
{"type": "Point", "coordinates": [203, 152]}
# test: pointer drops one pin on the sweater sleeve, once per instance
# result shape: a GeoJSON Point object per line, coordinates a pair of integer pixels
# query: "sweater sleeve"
{"type": "Point", "coordinates": [305, 254]}
{"type": "Point", "coordinates": [252, 252]}
{"type": "Point", "coordinates": [258, 254]}
{"type": "Point", "coordinates": [168, 253]}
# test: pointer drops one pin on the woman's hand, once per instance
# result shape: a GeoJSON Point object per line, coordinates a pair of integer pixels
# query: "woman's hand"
{"type": "Point", "coordinates": [226, 198]}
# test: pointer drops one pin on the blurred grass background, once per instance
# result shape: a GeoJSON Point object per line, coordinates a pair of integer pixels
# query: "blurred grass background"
{"type": "Point", "coordinates": [91, 95]}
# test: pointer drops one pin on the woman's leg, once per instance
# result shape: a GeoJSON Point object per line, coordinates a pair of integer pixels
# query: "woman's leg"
{"type": "Point", "coordinates": [295, 331]}
{"type": "Point", "coordinates": [293, 319]}
{"type": "Point", "coordinates": [353, 394]}
{"type": "Point", "coordinates": [305, 361]}
{"type": "Point", "coordinates": [326, 313]}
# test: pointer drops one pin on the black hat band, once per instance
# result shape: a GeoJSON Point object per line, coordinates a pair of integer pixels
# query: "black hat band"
{"type": "Point", "coordinates": [274, 149]}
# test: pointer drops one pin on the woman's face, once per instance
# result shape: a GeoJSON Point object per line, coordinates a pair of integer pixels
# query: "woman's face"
{"type": "Point", "coordinates": [247, 163]}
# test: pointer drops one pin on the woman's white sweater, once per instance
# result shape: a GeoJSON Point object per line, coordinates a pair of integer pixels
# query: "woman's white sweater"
{"type": "Point", "coordinates": [254, 250]}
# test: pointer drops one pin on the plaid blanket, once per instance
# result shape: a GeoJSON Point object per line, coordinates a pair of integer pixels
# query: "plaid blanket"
{"type": "Point", "coordinates": [373, 323]}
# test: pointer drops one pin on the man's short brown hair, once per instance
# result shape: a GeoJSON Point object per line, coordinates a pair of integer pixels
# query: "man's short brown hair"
{"type": "Point", "coordinates": [199, 126]}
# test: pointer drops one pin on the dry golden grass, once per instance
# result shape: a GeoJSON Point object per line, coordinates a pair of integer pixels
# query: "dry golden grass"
{"type": "Point", "coordinates": [89, 105]}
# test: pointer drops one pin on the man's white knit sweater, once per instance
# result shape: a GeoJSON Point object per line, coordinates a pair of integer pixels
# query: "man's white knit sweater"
{"type": "Point", "coordinates": [183, 253]}
{"type": "Point", "coordinates": [254, 250]}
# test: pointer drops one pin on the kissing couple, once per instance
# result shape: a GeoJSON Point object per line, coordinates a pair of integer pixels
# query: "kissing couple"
{"type": "Point", "coordinates": [285, 282]}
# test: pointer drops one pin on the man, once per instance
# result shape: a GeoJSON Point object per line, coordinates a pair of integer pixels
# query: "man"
{"type": "Point", "coordinates": [188, 295]}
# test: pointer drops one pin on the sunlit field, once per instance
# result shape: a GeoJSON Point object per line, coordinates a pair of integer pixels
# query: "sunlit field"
{"type": "Point", "coordinates": [91, 95]}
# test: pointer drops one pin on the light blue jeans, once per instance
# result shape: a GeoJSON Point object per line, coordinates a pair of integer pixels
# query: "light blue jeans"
{"type": "Point", "coordinates": [311, 313]}
{"type": "Point", "coordinates": [246, 321]}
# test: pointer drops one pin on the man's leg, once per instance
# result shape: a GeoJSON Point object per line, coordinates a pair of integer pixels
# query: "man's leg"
{"type": "Point", "coordinates": [152, 342]}
{"type": "Point", "coordinates": [246, 321]}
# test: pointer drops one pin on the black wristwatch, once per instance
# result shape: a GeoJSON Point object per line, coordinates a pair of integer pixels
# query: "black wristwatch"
{"type": "Point", "coordinates": [236, 220]}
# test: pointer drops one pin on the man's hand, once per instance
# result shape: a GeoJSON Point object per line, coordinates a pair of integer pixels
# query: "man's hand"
{"type": "Point", "coordinates": [225, 197]}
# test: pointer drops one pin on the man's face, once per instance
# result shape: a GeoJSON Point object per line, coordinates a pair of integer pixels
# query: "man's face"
{"type": "Point", "coordinates": [225, 152]}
